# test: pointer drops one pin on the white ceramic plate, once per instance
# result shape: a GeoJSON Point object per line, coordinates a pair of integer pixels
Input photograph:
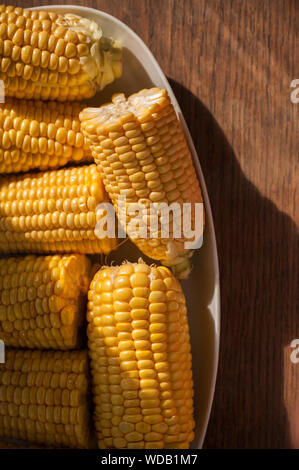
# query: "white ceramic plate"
{"type": "Point", "coordinates": [202, 290]}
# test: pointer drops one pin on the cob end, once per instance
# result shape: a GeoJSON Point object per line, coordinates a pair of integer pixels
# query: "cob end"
{"type": "Point", "coordinates": [104, 63]}
{"type": "Point", "coordinates": [178, 260]}
{"type": "Point", "coordinates": [182, 269]}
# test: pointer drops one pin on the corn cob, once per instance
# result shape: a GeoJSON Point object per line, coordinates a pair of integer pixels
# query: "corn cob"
{"type": "Point", "coordinates": [140, 356]}
{"type": "Point", "coordinates": [142, 154]}
{"type": "Point", "coordinates": [44, 398]}
{"type": "Point", "coordinates": [52, 212]}
{"type": "Point", "coordinates": [14, 445]}
{"type": "Point", "coordinates": [42, 301]}
{"type": "Point", "coordinates": [51, 56]}
{"type": "Point", "coordinates": [40, 135]}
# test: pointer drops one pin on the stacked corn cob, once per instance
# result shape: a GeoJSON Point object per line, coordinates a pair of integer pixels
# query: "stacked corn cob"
{"type": "Point", "coordinates": [44, 395]}
{"type": "Point", "coordinates": [138, 334]}
{"type": "Point", "coordinates": [42, 301]}
{"type": "Point", "coordinates": [54, 57]}
{"type": "Point", "coordinates": [14, 445]}
{"type": "Point", "coordinates": [35, 134]}
{"type": "Point", "coordinates": [52, 212]}
{"type": "Point", "coordinates": [48, 56]}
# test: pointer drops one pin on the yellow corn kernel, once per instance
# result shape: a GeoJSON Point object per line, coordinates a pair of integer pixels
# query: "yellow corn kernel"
{"type": "Point", "coordinates": [152, 405]}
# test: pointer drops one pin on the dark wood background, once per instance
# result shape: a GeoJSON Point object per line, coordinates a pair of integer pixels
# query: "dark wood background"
{"type": "Point", "coordinates": [231, 63]}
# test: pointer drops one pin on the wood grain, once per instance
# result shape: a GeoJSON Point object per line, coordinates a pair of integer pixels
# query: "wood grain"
{"type": "Point", "coordinates": [231, 63]}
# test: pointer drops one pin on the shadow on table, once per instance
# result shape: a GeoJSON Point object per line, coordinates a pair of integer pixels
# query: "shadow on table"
{"type": "Point", "coordinates": [257, 267]}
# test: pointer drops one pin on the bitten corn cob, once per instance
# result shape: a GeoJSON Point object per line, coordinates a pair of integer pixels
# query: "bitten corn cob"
{"type": "Point", "coordinates": [140, 358]}
{"type": "Point", "coordinates": [44, 398]}
{"type": "Point", "coordinates": [52, 212]}
{"type": "Point", "coordinates": [34, 134]}
{"type": "Point", "coordinates": [42, 301]}
{"type": "Point", "coordinates": [142, 154]}
{"type": "Point", "coordinates": [53, 56]}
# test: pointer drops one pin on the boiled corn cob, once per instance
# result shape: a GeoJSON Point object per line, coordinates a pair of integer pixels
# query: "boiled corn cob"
{"type": "Point", "coordinates": [52, 212]}
{"type": "Point", "coordinates": [14, 445]}
{"type": "Point", "coordinates": [34, 134]}
{"type": "Point", "coordinates": [51, 56]}
{"type": "Point", "coordinates": [142, 154]}
{"type": "Point", "coordinates": [44, 397]}
{"type": "Point", "coordinates": [42, 301]}
{"type": "Point", "coordinates": [140, 356]}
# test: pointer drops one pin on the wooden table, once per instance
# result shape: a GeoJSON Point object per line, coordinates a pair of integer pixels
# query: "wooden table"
{"type": "Point", "coordinates": [231, 64]}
